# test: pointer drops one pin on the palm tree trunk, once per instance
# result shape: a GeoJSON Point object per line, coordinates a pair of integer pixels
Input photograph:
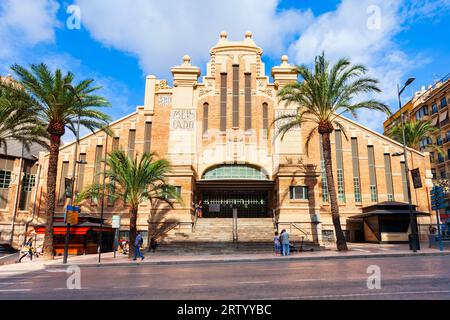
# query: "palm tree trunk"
{"type": "Point", "coordinates": [51, 195]}
{"type": "Point", "coordinates": [341, 243]}
{"type": "Point", "coordinates": [133, 220]}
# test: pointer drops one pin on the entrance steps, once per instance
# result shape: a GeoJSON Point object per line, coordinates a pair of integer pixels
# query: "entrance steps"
{"type": "Point", "coordinates": [218, 248]}
{"type": "Point", "coordinates": [215, 236]}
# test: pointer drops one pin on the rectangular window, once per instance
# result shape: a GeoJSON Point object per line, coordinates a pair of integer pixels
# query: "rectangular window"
{"type": "Point", "coordinates": [131, 143]}
{"type": "Point", "coordinates": [147, 137]}
{"type": "Point", "coordinates": [111, 191]}
{"type": "Point", "coordinates": [223, 102]}
{"type": "Point", "coordinates": [404, 183]}
{"type": "Point", "coordinates": [443, 102]}
{"type": "Point", "coordinates": [6, 168]}
{"type": "Point", "coordinates": [356, 171]}
{"type": "Point", "coordinates": [324, 175]}
{"type": "Point", "coordinates": [97, 169]}
{"type": "Point", "coordinates": [177, 192]}
{"type": "Point", "coordinates": [340, 166]}
{"type": "Point", "coordinates": [433, 172]}
{"type": "Point", "coordinates": [248, 101]}
{"type": "Point", "coordinates": [432, 158]}
{"type": "Point", "coordinates": [62, 183]}
{"type": "Point", "coordinates": [236, 96]}
{"type": "Point", "coordinates": [265, 118]}
{"type": "Point", "coordinates": [443, 174]}
{"type": "Point", "coordinates": [389, 182]}
{"type": "Point", "coordinates": [80, 176]}
{"type": "Point", "coordinates": [28, 183]}
{"type": "Point", "coordinates": [115, 144]}
{"type": "Point", "coordinates": [205, 118]}
{"type": "Point", "coordinates": [298, 193]}
{"type": "Point", "coordinates": [372, 174]}
{"type": "Point", "coordinates": [440, 158]}
{"type": "Point", "coordinates": [434, 108]}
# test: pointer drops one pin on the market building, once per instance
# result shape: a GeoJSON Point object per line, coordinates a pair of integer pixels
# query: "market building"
{"type": "Point", "coordinates": [217, 132]}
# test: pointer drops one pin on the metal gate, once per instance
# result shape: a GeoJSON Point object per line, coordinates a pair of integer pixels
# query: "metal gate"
{"type": "Point", "coordinates": [248, 205]}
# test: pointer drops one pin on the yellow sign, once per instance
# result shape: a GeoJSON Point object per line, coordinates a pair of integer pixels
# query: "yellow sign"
{"type": "Point", "coordinates": [72, 215]}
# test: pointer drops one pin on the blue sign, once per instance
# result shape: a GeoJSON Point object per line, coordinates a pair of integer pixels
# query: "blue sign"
{"type": "Point", "coordinates": [437, 198]}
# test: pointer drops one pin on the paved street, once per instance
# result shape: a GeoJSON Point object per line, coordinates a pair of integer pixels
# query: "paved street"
{"type": "Point", "coordinates": [401, 278]}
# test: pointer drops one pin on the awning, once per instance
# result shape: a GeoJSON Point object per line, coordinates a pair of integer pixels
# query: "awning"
{"type": "Point", "coordinates": [78, 231]}
{"type": "Point", "coordinates": [443, 116]}
{"type": "Point", "coordinates": [434, 121]}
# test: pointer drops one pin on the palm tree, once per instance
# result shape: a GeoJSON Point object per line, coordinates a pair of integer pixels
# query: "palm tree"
{"type": "Point", "coordinates": [325, 93]}
{"type": "Point", "coordinates": [134, 181]}
{"type": "Point", "coordinates": [18, 121]}
{"type": "Point", "coordinates": [415, 133]}
{"type": "Point", "coordinates": [59, 108]}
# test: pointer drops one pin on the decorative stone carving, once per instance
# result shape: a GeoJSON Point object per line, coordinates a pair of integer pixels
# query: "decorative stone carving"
{"type": "Point", "coordinates": [164, 100]}
{"type": "Point", "coordinates": [163, 85]}
{"type": "Point", "coordinates": [280, 123]}
{"type": "Point", "coordinates": [182, 120]}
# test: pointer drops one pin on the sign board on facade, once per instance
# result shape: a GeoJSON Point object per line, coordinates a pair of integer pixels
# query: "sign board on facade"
{"type": "Point", "coordinates": [115, 222]}
{"type": "Point", "coordinates": [417, 180]}
{"type": "Point", "coordinates": [182, 120]}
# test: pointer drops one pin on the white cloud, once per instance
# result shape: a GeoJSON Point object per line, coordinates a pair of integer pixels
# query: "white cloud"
{"type": "Point", "coordinates": [159, 33]}
{"type": "Point", "coordinates": [25, 23]}
{"type": "Point", "coordinates": [364, 31]}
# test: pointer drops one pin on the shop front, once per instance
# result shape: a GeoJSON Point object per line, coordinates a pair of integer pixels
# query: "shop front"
{"type": "Point", "coordinates": [83, 237]}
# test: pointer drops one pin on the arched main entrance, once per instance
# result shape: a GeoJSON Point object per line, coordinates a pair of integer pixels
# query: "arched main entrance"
{"type": "Point", "coordinates": [245, 188]}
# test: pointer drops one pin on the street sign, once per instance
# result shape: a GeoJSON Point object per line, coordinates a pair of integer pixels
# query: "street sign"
{"type": "Point", "coordinates": [437, 198]}
{"type": "Point", "coordinates": [71, 216]}
{"type": "Point", "coordinates": [115, 222]}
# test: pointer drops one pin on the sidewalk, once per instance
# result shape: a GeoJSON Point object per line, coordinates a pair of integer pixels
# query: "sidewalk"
{"type": "Point", "coordinates": [355, 251]}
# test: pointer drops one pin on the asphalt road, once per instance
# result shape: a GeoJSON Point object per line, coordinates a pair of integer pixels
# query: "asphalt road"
{"type": "Point", "coordinates": [401, 278]}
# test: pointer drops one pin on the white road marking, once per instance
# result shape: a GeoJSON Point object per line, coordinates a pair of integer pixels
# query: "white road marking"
{"type": "Point", "coordinates": [309, 280]}
{"type": "Point", "coordinates": [9, 283]}
{"type": "Point", "coordinates": [360, 295]}
{"type": "Point", "coordinates": [419, 275]}
{"type": "Point", "coordinates": [193, 285]}
{"type": "Point", "coordinates": [253, 282]}
{"type": "Point", "coordinates": [14, 290]}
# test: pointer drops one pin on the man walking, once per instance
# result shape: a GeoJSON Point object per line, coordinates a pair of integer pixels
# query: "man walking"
{"type": "Point", "coordinates": [285, 242]}
{"type": "Point", "coordinates": [137, 247]}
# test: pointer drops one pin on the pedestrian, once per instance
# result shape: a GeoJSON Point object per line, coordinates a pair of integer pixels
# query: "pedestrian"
{"type": "Point", "coordinates": [285, 242]}
{"type": "Point", "coordinates": [28, 249]}
{"type": "Point", "coordinates": [137, 246]}
{"type": "Point", "coordinates": [276, 243]}
{"type": "Point", "coordinates": [153, 245]}
{"type": "Point", "coordinates": [199, 209]}
{"type": "Point", "coordinates": [432, 229]}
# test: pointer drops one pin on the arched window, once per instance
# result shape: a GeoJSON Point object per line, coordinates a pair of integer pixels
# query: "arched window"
{"type": "Point", "coordinates": [235, 172]}
{"type": "Point", "coordinates": [205, 118]}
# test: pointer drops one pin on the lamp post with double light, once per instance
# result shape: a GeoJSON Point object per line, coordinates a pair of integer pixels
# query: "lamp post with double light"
{"type": "Point", "coordinates": [413, 238]}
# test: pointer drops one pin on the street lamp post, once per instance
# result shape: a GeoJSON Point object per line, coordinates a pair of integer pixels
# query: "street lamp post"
{"type": "Point", "coordinates": [72, 187]}
{"type": "Point", "coordinates": [414, 239]}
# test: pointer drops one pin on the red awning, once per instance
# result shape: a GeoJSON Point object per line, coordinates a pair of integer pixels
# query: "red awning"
{"type": "Point", "coordinates": [62, 230]}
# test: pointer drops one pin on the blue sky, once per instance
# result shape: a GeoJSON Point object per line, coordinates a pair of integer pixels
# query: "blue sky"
{"type": "Point", "coordinates": [121, 41]}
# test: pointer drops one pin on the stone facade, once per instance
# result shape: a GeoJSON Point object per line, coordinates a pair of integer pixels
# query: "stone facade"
{"type": "Point", "coordinates": [173, 123]}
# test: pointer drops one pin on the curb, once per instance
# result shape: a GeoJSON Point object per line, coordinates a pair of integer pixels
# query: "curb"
{"type": "Point", "coordinates": [249, 260]}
